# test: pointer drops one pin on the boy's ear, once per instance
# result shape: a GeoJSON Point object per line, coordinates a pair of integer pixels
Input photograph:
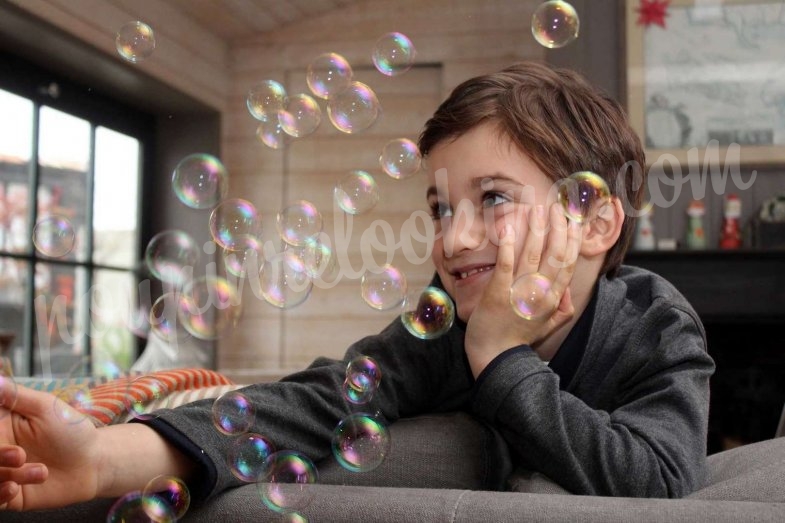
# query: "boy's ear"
{"type": "Point", "coordinates": [601, 233]}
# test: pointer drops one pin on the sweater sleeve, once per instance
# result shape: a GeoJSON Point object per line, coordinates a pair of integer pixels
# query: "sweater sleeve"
{"type": "Point", "coordinates": [301, 411]}
{"type": "Point", "coordinates": [647, 440]}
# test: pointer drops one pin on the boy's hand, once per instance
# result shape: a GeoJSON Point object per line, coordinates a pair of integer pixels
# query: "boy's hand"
{"type": "Point", "coordinates": [493, 326]}
{"type": "Point", "coordinates": [44, 461]}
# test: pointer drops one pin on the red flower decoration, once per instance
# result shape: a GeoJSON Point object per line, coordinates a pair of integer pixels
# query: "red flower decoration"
{"type": "Point", "coordinates": [653, 12]}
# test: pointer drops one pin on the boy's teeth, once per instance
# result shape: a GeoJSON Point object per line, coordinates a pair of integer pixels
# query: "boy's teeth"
{"type": "Point", "coordinates": [474, 271]}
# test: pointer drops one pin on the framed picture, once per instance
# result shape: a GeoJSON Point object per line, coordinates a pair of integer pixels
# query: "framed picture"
{"type": "Point", "coordinates": [706, 78]}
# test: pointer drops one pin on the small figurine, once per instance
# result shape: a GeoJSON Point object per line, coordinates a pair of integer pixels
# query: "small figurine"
{"type": "Point", "coordinates": [644, 232]}
{"type": "Point", "coordinates": [730, 237]}
{"type": "Point", "coordinates": [696, 235]}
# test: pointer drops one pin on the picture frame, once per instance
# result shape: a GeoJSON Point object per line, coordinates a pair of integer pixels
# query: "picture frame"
{"type": "Point", "coordinates": [706, 80]}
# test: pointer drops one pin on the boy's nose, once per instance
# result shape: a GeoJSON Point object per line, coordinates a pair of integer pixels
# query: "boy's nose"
{"type": "Point", "coordinates": [467, 230]}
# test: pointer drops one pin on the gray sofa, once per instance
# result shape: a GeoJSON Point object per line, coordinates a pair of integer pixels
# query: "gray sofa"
{"type": "Point", "coordinates": [450, 468]}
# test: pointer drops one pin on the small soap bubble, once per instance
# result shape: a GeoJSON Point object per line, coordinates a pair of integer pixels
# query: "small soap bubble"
{"type": "Point", "coordinates": [531, 296]}
{"type": "Point", "coordinates": [400, 158]}
{"type": "Point", "coordinates": [555, 24]}
{"type": "Point", "coordinates": [172, 491]}
{"type": "Point", "coordinates": [301, 117]}
{"type": "Point", "coordinates": [354, 109]}
{"type": "Point", "coordinates": [360, 391]}
{"type": "Point", "coordinates": [171, 256]}
{"type": "Point", "coordinates": [357, 192]}
{"type": "Point", "coordinates": [233, 413]}
{"type": "Point", "coordinates": [265, 99]}
{"type": "Point", "coordinates": [293, 517]}
{"type": "Point", "coordinates": [360, 442]}
{"type": "Point", "coordinates": [8, 391]}
{"type": "Point", "coordinates": [328, 74]}
{"type": "Point", "coordinates": [298, 222]}
{"type": "Point", "coordinates": [244, 258]}
{"type": "Point", "coordinates": [428, 314]}
{"type": "Point", "coordinates": [283, 281]}
{"type": "Point", "coordinates": [163, 319]}
{"type": "Point", "coordinates": [143, 394]}
{"type": "Point", "coordinates": [363, 367]}
{"type": "Point", "coordinates": [287, 484]}
{"type": "Point", "coordinates": [54, 236]}
{"type": "Point", "coordinates": [247, 457]}
{"type": "Point", "coordinates": [200, 181]}
{"type": "Point", "coordinates": [581, 195]}
{"type": "Point", "coordinates": [271, 134]}
{"type": "Point", "coordinates": [134, 507]}
{"type": "Point", "coordinates": [318, 258]}
{"type": "Point", "coordinates": [209, 307]}
{"type": "Point", "coordinates": [135, 41]}
{"type": "Point", "coordinates": [232, 221]}
{"type": "Point", "coordinates": [393, 54]}
{"type": "Point", "coordinates": [385, 289]}
{"type": "Point", "coordinates": [72, 403]}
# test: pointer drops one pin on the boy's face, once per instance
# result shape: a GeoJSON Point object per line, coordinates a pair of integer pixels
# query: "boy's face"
{"type": "Point", "coordinates": [477, 184]}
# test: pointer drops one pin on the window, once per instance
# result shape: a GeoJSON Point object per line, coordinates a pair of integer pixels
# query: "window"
{"type": "Point", "coordinates": [71, 171]}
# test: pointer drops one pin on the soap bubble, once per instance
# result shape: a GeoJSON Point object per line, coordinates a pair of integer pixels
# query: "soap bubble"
{"type": "Point", "coordinates": [200, 181]}
{"type": "Point", "coordinates": [54, 236]}
{"type": "Point", "coordinates": [233, 413]}
{"type": "Point", "coordinates": [293, 517]}
{"type": "Point", "coordinates": [301, 117]}
{"type": "Point", "coordinates": [137, 508]}
{"type": "Point", "coordinates": [555, 24]}
{"type": "Point", "coordinates": [232, 221]}
{"type": "Point", "coordinates": [163, 319]}
{"type": "Point", "coordinates": [531, 296]}
{"type": "Point", "coordinates": [318, 259]}
{"type": "Point", "coordinates": [265, 99]}
{"type": "Point", "coordinates": [72, 402]}
{"type": "Point", "coordinates": [354, 109]}
{"type": "Point", "coordinates": [283, 281]}
{"type": "Point", "coordinates": [428, 314]}
{"type": "Point", "coordinates": [172, 491]}
{"type": "Point", "coordinates": [171, 256]}
{"type": "Point", "coordinates": [580, 193]}
{"type": "Point", "coordinates": [393, 54]}
{"type": "Point", "coordinates": [135, 41]}
{"type": "Point", "coordinates": [143, 391]}
{"type": "Point", "coordinates": [248, 455]}
{"type": "Point", "coordinates": [384, 290]}
{"type": "Point", "coordinates": [245, 255]}
{"type": "Point", "coordinates": [363, 366]}
{"type": "Point", "coordinates": [328, 74]}
{"type": "Point", "coordinates": [287, 484]}
{"type": "Point", "coordinates": [360, 442]}
{"type": "Point", "coordinates": [298, 222]}
{"type": "Point", "coordinates": [271, 134]}
{"type": "Point", "coordinates": [208, 307]}
{"type": "Point", "coordinates": [358, 394]}
{"type": "Point", "coordinates": [356, 192]}
{"type": "Point", "coordinates": [400, 158]}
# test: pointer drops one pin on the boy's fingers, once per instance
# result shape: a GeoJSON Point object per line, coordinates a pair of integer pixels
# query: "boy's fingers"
{"type": "Point", "coordinates": [8, 491]}
{"type": "Point", "coordinates": [555, 256]}
{"type": "Point", "coordinates": [28, 402]}
{"type": "Point", "coordinates": [501, 279]}
{"type": "Point", "coordinates": [531, 254]}
{"type": "Point", "coordinates": [12, 456]}
{"type": "Point", "coordinates": [571, 251]}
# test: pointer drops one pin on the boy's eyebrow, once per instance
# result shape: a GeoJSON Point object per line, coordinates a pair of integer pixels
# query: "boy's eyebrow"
{"type": "Point", "coordinates": [480, 180]}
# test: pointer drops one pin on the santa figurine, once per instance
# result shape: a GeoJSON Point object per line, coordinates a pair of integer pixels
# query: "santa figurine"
{"type": "Point", "coordinates": [730, 236]}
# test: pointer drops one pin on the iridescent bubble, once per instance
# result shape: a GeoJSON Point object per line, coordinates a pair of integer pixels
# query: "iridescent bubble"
{"type": "Point", "coordinates": [318, 259]}
{"type": "Point", "coordinates": [293, 517]}
{"type": "Point", "coordinates": [354, 109]}
{"type": "Point", "coordinates": [400, 158]}
{"type": "Point", "coordinates": [135, 41]}
{"type": "Point", "coordinates": [555, 24]}
{"type": "Point", "coordinates": [271, 134]}
{"type": "Point", "coordinates": [141, 392]}
{"type": "Point", "coordinates": [360, 442]}
{"type": "Point", "coordinates": [360, 391]}
{"type": "Point", "coordinates": [265, 99]}
{"type": "Point", "coordinates": [137, 508]}
{"type": "Point", "coordinates": [244, 258]}
{"type": "Point", "coordinates": [301, 117]}
{"type": "Point", "coordinates": [232, 221]}
{"type": "Point", "coordinates": [233, 413]}
{"type": "Point", "coordinates": [200, 181]}
{"type": "Point", "coordinates": [247, 457]}
{"type": "Point", "coordinates": [72, 402]}
{"type": "Point", "coordinates": [287, 484]}
{"type": "Point", "coordinates": [209, 307]}
{"type": "Point", "coordinates": [172, 491]}
{"type": "Point", "coordinates": [8, 391]}
{"type": "Point", "coordinates": [298, 222]}
{"type": "Point", "coordinates": [357, 192]}
{"type": "Point", "coordinates": [531, 296]}
{"type": "Point", "coordinates": [580, 193]}
{"type": "Point", "coordinates": [283, 281]}
{"type": "Point", "coordinates": [171, 256]}
{"type": "Point", "coordinates": [428, 314]}
{"type": "Point", "coordinates": [54, 236]}
{"type": "Point", "coordinates": [393, 54]}
{"type": "Point", "coordinates": [328, 74]}
{"type": "Point", "coordinates": [163, 319]}
{"type": "Point", "coordinates": [385, 289]}
{"type": "Point", "coordinates": [363, 367]}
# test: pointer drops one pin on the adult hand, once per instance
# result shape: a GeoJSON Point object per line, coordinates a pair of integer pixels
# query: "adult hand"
{"type": "Point", "coordinates": [493, 326]}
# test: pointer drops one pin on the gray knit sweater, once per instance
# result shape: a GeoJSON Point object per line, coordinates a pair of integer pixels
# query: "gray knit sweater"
{"type": "Point", "coordinates": [632, 422]}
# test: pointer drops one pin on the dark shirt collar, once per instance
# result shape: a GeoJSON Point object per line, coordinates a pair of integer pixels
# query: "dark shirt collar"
{"type": "Point", "coordinates": [567, 359]}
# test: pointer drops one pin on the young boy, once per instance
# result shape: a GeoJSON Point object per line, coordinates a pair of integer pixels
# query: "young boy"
{"type": "Point", "coordinates": [607, 394]}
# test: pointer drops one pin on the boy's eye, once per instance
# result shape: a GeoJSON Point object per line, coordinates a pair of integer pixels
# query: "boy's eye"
{"type": "Point", "coordinates": [440, 210]}
{"type": "Point", "coordinates": [492, 199]}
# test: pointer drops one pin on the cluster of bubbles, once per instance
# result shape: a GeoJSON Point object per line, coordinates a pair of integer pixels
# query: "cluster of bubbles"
{"type": "Point", "coordinates": [555, 24]}
{"type": "Point", "coordinates": [164, 499]}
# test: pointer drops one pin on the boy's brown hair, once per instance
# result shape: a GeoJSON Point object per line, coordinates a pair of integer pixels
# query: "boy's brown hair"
{"type": "Point", "coordinates": [561, 122]}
